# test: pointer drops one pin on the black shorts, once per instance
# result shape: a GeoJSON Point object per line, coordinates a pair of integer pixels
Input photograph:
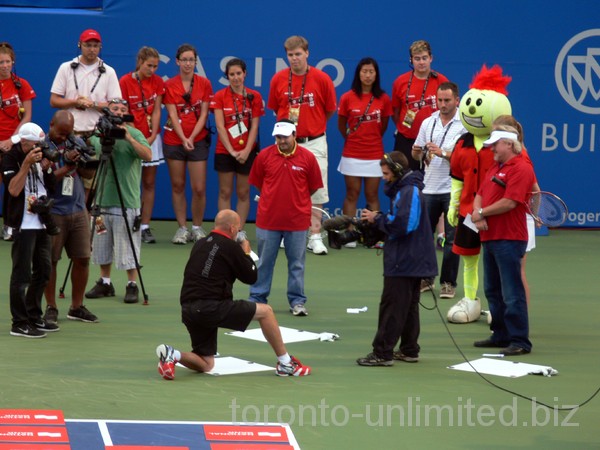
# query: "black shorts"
{"type": "Point", "coordinates": [178, 153]}
{"type": "Point", "coordinates": [466, 241]}
{"type": "Point", "coordinates": [227, 163]}
{"type": "Point", "coordinates": [203, 318]}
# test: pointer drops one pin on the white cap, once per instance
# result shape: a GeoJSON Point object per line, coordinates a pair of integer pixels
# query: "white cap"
{"type": "Point", "coordinates": [284, 129]}
{"type": "Point", "coordinates": [29, 131]}
{"type": "Point", "coordinates": [497, 135]}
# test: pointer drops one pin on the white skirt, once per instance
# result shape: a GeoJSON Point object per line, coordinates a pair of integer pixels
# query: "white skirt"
{"type": "Point", "coordinates": [157, 153]}
{"type": "Point", "coordinates": [530, 232]}
{"type": "Point", "coordinates": [354, 167]}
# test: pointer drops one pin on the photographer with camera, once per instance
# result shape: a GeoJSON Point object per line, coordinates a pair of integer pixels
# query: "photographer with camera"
{"type": "Point", "coordinates": [70, 214]}
{"type": "Point", "coordinates": [28, 180]}
{"type": "Point", "coordinates": [408, 256]}
{"type": "Point", "coordinates": [111, 235]}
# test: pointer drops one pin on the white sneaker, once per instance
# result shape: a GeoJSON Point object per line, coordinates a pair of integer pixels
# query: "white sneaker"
{"type": "Point", "coordinates": [299, 310]}
{"type": "Point", "coordinates": [182, 236]}
{"type": "Point", "coordinates": [197, 234]}
{"type": "Point", "coordinates": [281, 244]}
{"type": "Point", "coordinates": [350, 244]}
{"type": "Point", "coordinates": [315, 245]}
{"type": "Point", "coordinates": [465, 311]}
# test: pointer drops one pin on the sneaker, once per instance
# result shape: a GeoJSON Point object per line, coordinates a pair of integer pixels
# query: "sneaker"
{"type": "Point", "coordinates": [513, 350]}
{"type": "Point", "coordinates": [399, 356]}
{"type": "Point", "coordinates": [7, 233]}
{"type": "Point", "coordinates": [427, 284]}
{"type": "Point", "coordinates": [147, 236]}
{"type": "Point", "coordinates": [182, 236]}
{"type": "Point", "coordinates": [51, 314]}
{"type": "Point", "coordinates": [315, 245]}
{"type": "Point", "coordinates": [373, 360]}
{"type": "Point", "coordinates": [293, 369]}
{"type": "Point", "coordinates": [299, 310]}
{"type": "Point", "coordinates": [44, 326]}
{"type": "Point", "coordinates": [131, 293]}
{"type": "Point", "coordinates": [166, 361]}
{"type": "Point", "coordinates": [465, 311]}
{"type": "Point", "coordinates": [82, 314]}
{"type": "Point", "coordinates": [447, 291]}
{"type": "Point", "coordinates": [101, 290]}
{"type": "Point", "coordinates": [350, 244]}
{"type": "Point", "coordinates": [197, 234]}
{"type": "Point", "coordinates": [27, 331]}
{"type": "Point", "coordinates": [440, 241]}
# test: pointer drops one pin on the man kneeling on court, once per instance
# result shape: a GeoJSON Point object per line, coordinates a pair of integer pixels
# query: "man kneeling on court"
{"type": "Point", "coordinates": [216, 261]}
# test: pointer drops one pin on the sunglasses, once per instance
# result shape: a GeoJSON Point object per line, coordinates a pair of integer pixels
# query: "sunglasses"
{"type": "Point", "coordinates": [119, 101]}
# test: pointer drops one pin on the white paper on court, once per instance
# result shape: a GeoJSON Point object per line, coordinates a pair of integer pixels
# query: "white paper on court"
{"type": "Point", "coordinates": [229, 365]}
{"type": "Point", "coordinates": [289, 335]}
{"type": "Point", "coordinates": [504, 368]}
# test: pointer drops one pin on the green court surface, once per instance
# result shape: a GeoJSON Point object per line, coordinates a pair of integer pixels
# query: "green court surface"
{"type": "Point", "coordinates": [108, 370]}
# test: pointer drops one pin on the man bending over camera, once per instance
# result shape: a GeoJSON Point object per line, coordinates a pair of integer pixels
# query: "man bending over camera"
{"type": "Point", "coordinates": [28, 180]}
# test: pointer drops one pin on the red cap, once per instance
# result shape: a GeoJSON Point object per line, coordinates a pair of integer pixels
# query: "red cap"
{"type": "Point", "coordinates": [90, 35]}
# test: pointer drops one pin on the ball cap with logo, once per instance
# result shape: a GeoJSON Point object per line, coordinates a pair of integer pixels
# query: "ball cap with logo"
{"type": "Point", "coordinates": [90, 35]}
{"type": "Point", "coordinates": [284, 129]}
{"type": "Point", "coordinates": [29, 131]}
{"type": "Point", "coordinates": [499, 134]}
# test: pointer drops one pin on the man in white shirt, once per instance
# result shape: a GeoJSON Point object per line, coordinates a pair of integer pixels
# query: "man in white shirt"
{"type": "Point", "coordinates": [433, 147]}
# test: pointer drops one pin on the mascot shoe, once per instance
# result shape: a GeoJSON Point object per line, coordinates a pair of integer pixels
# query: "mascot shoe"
{"type": "Point", "coordinates": [465, 311]}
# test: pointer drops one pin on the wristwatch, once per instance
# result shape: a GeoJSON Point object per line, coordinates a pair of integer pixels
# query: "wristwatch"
{"type": "Point", "coordinates": [480, 212]}
{"type": "Point", "coordinates": [444, 153]}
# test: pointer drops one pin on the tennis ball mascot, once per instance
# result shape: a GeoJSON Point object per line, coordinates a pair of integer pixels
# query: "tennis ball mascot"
{"type": "Point", "coordinates": [470, 161]}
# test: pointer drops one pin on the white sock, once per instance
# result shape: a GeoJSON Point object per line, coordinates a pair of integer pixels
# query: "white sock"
{"type": "Point", "coordinates": [144, 226]}
{"type": "Point", "coordinates": [106, 280]}
{"type": "Point", "coordinates": [196, 227]}
{"type": "Point", "coordinates": [284, 359]}
{"type": "Point", "coordinates": [177, 355]}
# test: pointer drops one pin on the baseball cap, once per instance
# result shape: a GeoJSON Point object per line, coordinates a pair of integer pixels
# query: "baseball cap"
{"type": "Point", "coordinates": [29, 131]}
{"type": "Point", "coordinates": [90, 35]}
{"type": "Point", "coordinates": [499, 134]}
{"type": "Point", "coordinates": [284, 129]}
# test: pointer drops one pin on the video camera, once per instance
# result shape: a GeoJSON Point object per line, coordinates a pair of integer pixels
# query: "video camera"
{"type": "Point", "coordinates": [107, 125]}
{"type": "Point", "coordinates": [86, 153]}
{"type": "Point", "coordinates": [339, 232]}
{"type": "Point", "coordinates": [42, 206]}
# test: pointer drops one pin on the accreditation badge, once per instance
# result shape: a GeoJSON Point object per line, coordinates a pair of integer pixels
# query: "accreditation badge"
{"type": "Point", "coordinates": [409, 118]}
{"type": "Point", "coordinates": [294, 114]}
{"type": "Point", "coordinates": [149, 120]}
{"type": "Point", "coordinates": [67, 186]}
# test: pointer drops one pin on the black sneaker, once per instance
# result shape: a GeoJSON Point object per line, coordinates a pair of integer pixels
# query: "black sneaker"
{"type": "Point", "coordinates": [101, 290]}
{"type": "Point", "coordinates": [51, 314]}
{"type": "Point", "coordinates": [147, 236]}
{"type": "Point", "coordinates": [44, 326]}
{"type": "Point", "coordinates": [373, 360]}
{"type": "Point", "coordinates": [27, 331]}
{"type": "Point", "coordinates": [82, 314]}
{"type": "Point", "coordinates": [131, 293]}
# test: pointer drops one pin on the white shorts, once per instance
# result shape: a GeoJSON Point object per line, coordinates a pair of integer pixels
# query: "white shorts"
{"type": "Point", "coordinates": [354, 167]}
{"type": "Point", "coordinates": [318, 147]}
{"type": "Point", "coordinates": [157, 153]}
{"type": "Point", "coordinates": [114, 245]}
{"type": "Point", "coordinates": [530, 232]}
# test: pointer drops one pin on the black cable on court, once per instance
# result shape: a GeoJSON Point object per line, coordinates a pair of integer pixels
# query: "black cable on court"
{"type": "Point", "coordinates": [490, 382]}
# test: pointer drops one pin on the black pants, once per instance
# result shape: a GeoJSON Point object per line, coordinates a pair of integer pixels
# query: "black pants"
{"type": "Point", "coordinates": [404, 145]}
{"type": "Point", "coordinates": [31, 266]}
{"type": "Point", "coordinates": [398, 317]}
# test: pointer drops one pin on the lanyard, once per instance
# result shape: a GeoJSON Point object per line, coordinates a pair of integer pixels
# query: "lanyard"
{"type": "Point", "coordinates": [144, 101]}
{"type": "Point", "coordinates": [445, 133]}
{"type": "Point", "coordinates": [289, 93]}
{"type": "Point", "coordinates": [100, 72]}
{"type": "Point", "coordinates": [187, 98]}
{"type": "Point", "coordinates": [363, 116]}
{"type": "Point", "coordinates": [424, 89]}
{"type": "Point", "coordinates": [238, 116]}
{"type": "Point", "coordinates": [17, 101]}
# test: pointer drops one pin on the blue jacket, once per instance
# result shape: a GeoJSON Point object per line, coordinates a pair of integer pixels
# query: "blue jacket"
{"type": "Point", "coordinates": [408, 250]}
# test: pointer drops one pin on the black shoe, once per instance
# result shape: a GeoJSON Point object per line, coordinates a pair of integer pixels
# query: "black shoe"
{"type": "Point", "coordinates": [513, 350]}
{"type": "Point", "coordinates": [373, 360]}
{"type": "Point", "coordinates": [399, 356]}
{"type": "Point", "coordinates": [51, 314]}
{"type": "Point", "coordinates": [101, 290]}
{"type": "Point", "coordinates": [131, 293]}
{"type": "Point", "coordinates": [27, 331]}
{"type": "Point", "coordinates": [147, 236]}
{"type": "Point", "coordinates": [82, 314]}
{"type": "Point", "coordinates": [489, 343]}
{"type": "Point", "coordinates": [44, 326]}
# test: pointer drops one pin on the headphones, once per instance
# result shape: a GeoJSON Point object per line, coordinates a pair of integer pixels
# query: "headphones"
{"type": "Point", "coordinates": [395, 167]}
{"type": "Point", "coordinates": [101, 68]}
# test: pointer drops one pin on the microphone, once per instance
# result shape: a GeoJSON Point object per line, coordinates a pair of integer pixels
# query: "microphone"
{"type": "Point", "coordinates": [337, 223]}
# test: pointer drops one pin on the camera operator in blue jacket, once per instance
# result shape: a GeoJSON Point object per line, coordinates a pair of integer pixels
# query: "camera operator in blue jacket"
{"type": "Point", "coordinates": [409, 256]}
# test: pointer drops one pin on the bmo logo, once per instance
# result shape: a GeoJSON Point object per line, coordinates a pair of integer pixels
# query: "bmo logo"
{"type": "Point", "coordinates": [577, 72]}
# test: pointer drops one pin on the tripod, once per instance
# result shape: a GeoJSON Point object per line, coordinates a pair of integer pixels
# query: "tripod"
{"type": "Point", "coordinates": [95, 200]}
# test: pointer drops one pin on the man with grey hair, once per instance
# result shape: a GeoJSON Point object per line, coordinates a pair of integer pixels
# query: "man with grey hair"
{"type": "Point", "coordinates": [499, 215]}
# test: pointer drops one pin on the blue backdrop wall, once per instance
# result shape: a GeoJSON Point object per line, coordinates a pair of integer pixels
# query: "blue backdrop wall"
{"type": "Point", "coordinates": [552, 51]}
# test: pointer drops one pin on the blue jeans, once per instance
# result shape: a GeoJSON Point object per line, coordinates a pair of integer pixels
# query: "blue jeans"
{"type": "Point", "coordinates": [295, 252]}
{"type": "Point", "coordinates": [438, 204]}
{"type": "Point", "coordinates": [505, 292]}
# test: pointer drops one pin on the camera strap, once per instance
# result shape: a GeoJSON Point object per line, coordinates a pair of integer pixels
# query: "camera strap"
{"type": "Point", "coordinates": [144, 101]}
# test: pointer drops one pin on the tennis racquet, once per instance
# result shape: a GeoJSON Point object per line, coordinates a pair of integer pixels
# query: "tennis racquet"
{"type": "Point", "coordinates": [547, 209]}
